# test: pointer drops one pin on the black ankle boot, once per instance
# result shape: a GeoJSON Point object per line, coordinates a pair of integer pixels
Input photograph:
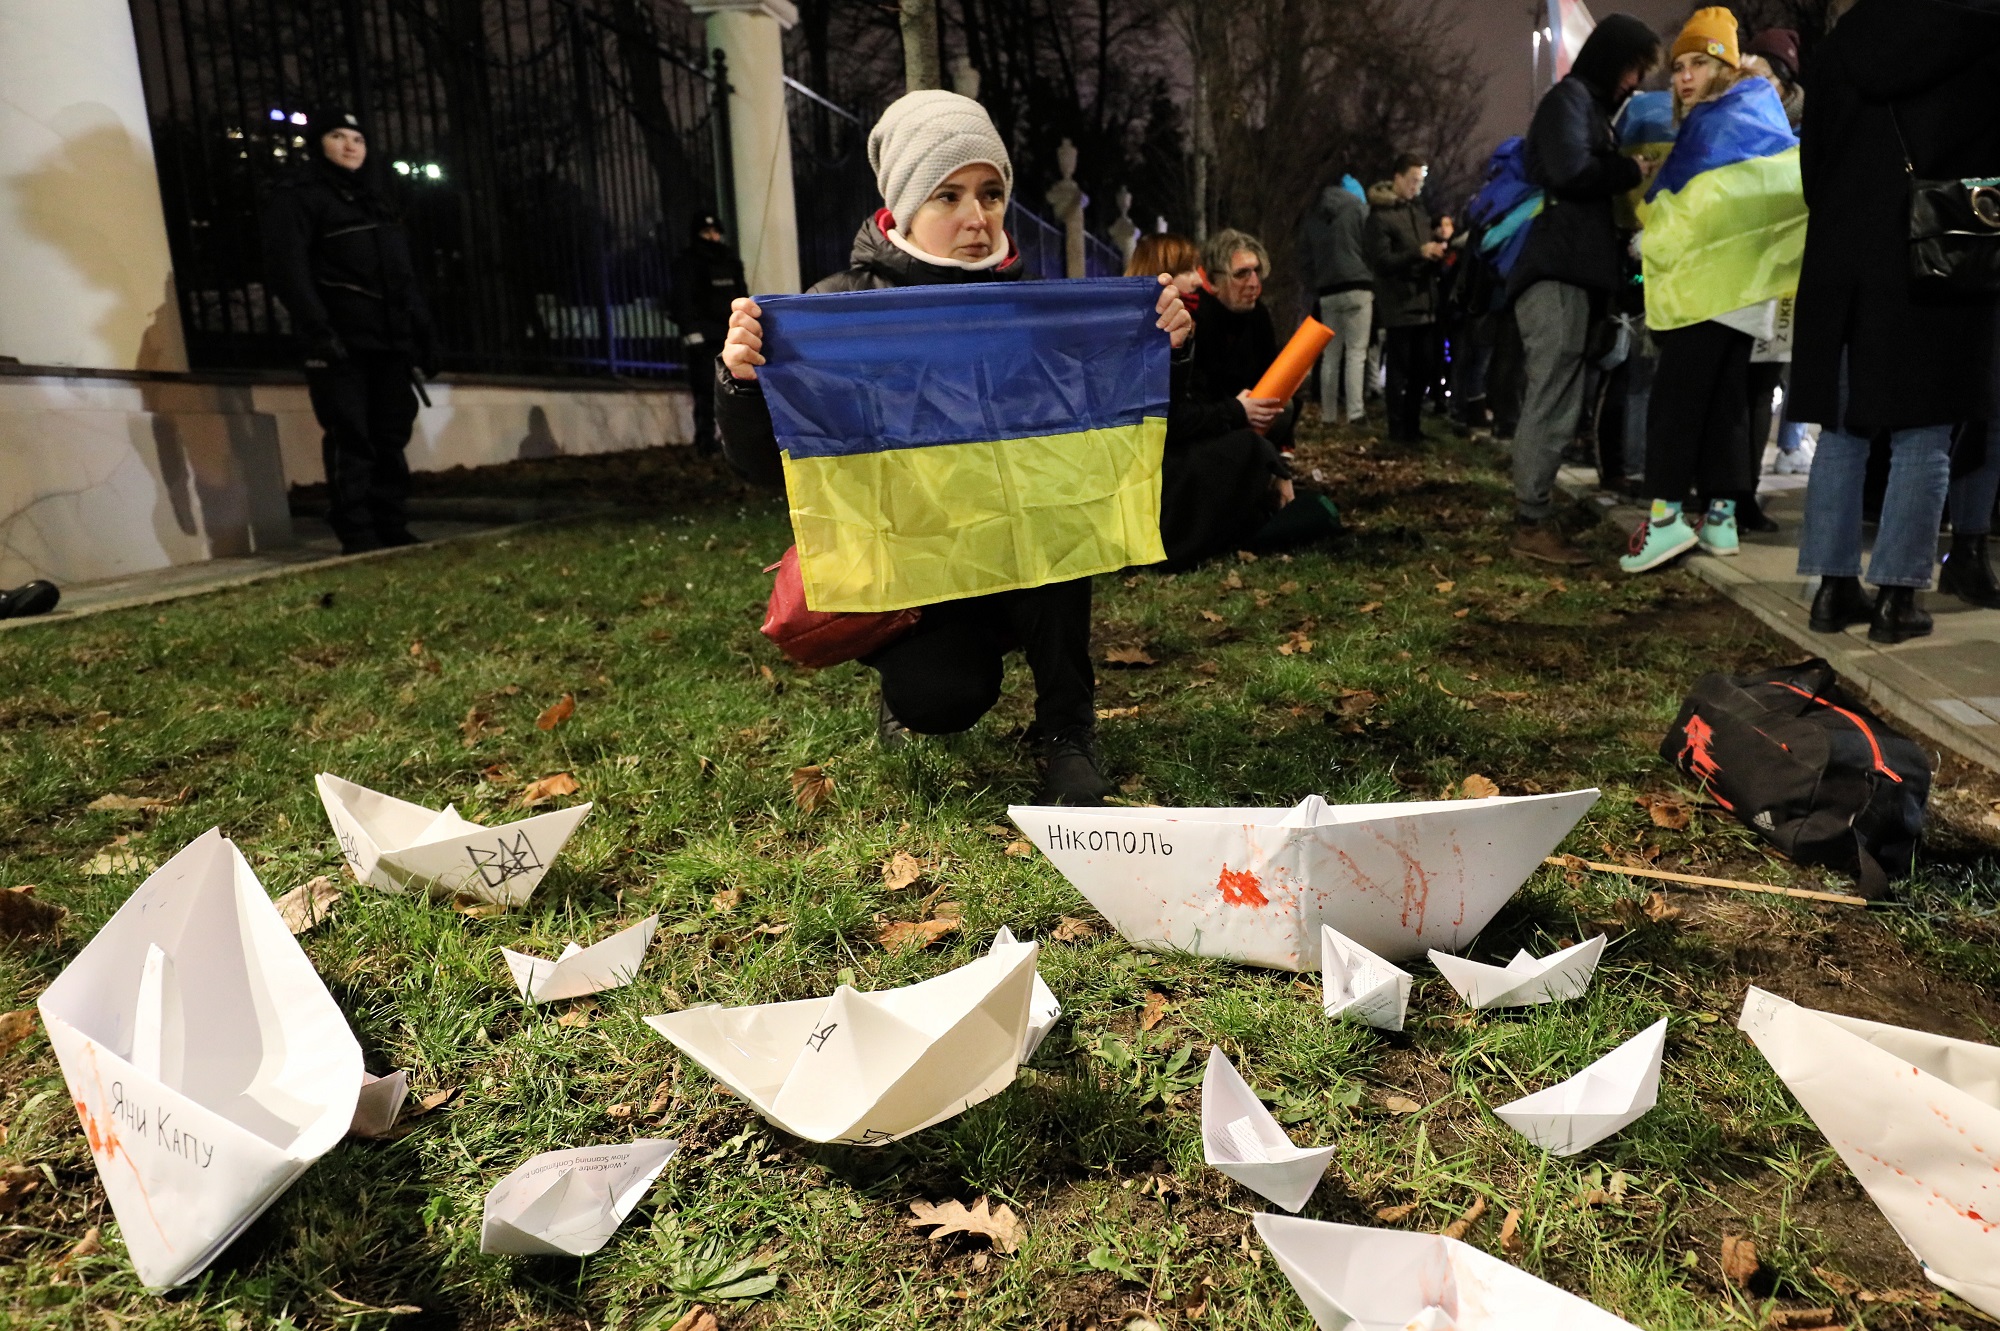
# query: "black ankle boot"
{"type": "Point", "coordinates": [1838, 603]}
{"type": "Point", "coordinates": [1071, 773]}
{"type": "Point", "coordinates": [1968, 573]}
{"type": "Point", "coordinates": [1898, 617]}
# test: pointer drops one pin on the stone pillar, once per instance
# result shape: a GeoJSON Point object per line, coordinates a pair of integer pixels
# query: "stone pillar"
{"type": "Point", "coordinates": [1068, 200]}
{"type": "Point", "coordinates": [1124, 231]}
{"type": "Point", "coordinates": [750, 35]}
{"type": "Point", "coordinates": [85, 276]}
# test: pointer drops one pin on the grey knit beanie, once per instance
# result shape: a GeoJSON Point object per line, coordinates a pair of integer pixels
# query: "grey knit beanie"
{"type": "Point", "coordinates": [925, 136]}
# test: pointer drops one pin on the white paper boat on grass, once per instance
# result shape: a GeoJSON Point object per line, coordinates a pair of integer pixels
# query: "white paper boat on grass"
{"type": "Point", "coordinates": [1043, 1009]}
{"type": "Point", "coordinates": [864, 1069]}
{"type": "Point", "coordinates": [569, 1203]}
{"type": "Point", "coordinates": [1604, 1098]}
{"type": "Point", "coordinates": [380, 1105]}
{"type": "Point", "coordinates": [1255, 885]}
{"type": "Point", "coordinates": [1241, 1138]}
{"type": "Point", "coordinates": [395, 845]}
{"type": "Point", "coordinates": [208, 1063]}
{"type": "Point", "coordinates": [1357, 985]}
{"type": "Point", "coordinates": [1915, 1116]}
{"type": "Point", "coordinates": [1526, 980]}
{"type": "Point", "coordinates": [610, 964]}
{"type": "Point", "coordinates": [1354, 1278]}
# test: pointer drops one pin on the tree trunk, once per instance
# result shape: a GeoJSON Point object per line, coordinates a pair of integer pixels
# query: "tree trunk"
{"type": "Point", "coordinates": [921, 68]}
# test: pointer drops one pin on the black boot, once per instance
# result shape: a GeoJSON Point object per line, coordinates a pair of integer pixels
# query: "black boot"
{"type": "Point", "coordinates": [30, 598]}
{"type": "Point", "coordinates": [892, 735]}
{"type": "Point", "coordinates": [1838, 603]}
{"type": "Point", "coordinates": [1070, 772]}
{"type": "Point", "coordinates": [1968, 573]}
{"type": "Point", "coordinates": [1898, 617]}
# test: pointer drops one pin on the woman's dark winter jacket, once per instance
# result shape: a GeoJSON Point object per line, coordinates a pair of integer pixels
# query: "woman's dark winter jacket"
{"type": "Point", "coordinates": [1336, 247]}
{"type": "Point", "coordinates": [340, 261]}
{"type": "Point", "coordinates": [1913, 359]}
{"type": "Point", "coordinates": [1227, 355]}
{"type": "Point", "coordinates": [1405, 281]}
{"type": "Point", "coordinates": [1573, 155]}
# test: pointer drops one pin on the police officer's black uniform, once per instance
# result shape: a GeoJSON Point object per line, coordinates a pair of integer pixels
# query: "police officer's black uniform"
{"type": "Point", "coordinates": [339, 259]}
{"type": "Point", "coordinates": [707, 277]}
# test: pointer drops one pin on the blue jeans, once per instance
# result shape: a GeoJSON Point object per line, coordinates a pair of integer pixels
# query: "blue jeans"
{"type": "Point", "coordinates": [1972, 494]}
{"type": "Point", "coordinates": [1906, 538]}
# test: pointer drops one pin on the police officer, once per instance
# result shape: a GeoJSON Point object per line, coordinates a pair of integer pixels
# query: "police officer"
{"type": "Point", "coordinates": [338, 257]}
{"type": "Point", "coordinates": [707, 276]}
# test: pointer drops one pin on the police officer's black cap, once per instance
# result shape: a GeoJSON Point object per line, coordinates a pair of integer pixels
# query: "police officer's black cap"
{"type": "Point", "coordinates": [704, 222]}
{"type": "Point", "coordinates": [327, 119]}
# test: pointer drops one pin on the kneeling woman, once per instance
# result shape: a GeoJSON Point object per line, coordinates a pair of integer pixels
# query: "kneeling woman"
{"type": "Point", "coordinates": [945, 177]}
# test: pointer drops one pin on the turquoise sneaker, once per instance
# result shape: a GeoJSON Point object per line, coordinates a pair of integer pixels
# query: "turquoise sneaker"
{"type": "Point", "coordinates": [1718, 535]}
{"type": "Point", "coordinates": [1654, 543]}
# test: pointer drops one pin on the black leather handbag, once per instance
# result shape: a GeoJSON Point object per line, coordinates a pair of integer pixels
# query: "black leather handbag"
{"type": "Point", "coordinates": [1954, 230]}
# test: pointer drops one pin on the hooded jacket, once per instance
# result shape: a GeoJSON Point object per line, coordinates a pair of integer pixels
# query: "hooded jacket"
{"type": "Point", "coordinates": [339, 259]}
{"type": "Point", "coordinates": [1405, 281]}
{"type": "Point", "coordinates": [1335, 244]}
{"type": "Point", "coordinates": [1573, 156]}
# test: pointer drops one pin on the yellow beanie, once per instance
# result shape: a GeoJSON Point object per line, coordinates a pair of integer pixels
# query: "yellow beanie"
{"type": "Point", "coordinates": [1709, 32]}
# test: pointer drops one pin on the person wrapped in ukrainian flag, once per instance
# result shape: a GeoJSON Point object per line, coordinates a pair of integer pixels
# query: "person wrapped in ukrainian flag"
{"type": "Point", "coordinates": [954, 440]}
{"type": "Point", "coordinates": [1725, 224]}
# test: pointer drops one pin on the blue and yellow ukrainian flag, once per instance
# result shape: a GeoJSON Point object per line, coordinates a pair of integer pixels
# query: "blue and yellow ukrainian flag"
{"type": "Point", "coordinates": [951, 441]}
{"type": "Point", "coordinates": [1726, 215]}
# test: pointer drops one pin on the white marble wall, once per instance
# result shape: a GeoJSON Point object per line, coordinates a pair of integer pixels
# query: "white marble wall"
{"type": "Point", "coordinates": [103, 478]}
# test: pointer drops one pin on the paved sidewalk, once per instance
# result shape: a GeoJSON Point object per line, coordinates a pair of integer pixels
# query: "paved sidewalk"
{"type": "Point", "coordinates": [1946, 686]}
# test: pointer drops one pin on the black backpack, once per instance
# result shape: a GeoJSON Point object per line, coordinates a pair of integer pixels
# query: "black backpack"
{"type": "Point", "coordinates": [1806, 767]}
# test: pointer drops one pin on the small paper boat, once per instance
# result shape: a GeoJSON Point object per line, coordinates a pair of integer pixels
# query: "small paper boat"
{"type": "Point", "coordinates": [1357, 985]}
{"type": "Point", "coordinates": [208, 1063]}
{"type": "Point", "coordinates": [1916, 1116]}
{"type": "Point", "coordinates": [1604, 1098]}
{"type": "Point", "coordinates": [569, 1203]}
{"type": "Point", "coordinates": [380, 1104]}
{"type": "Point", "coordinates": [1255, 885]}
{"type": "Point", "coordinates": [1043, 1010]}
{"type": "Point", "coordinates": [583, 970]}
{"type": "Point", "coordinates": [865, 1069]}
{"type": "Point", "coordinates": [1354, 1278]}
{"type": "Point", "coordinates": [396, 846]}
{"type": "Point", "coordinates": [1241, 1138]}
{"type": "Point", "coordinates": [1524, 981]}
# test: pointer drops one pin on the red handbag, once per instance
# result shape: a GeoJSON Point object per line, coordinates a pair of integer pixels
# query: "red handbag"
{"type": "Point", "coordinates": [821, 638]}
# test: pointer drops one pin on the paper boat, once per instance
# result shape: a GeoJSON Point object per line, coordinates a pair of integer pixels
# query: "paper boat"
{"type": "Point", "coordinates": [396, 846]}
{"type": "Point", "coordinates": [1354, 1278]}
{"type": "Point", "coordinates": [1043, 1009]}
{"type": "Point", "coordinates": [1241, 1138]}
{"type": "Point", "coordinates": [569, 1203]}
{"type": "Point", "coordinates": [864, 1069]}
{"type": "Point", "coordinates": [1525, 980]}
{"type": "Point", "coordinates": [1604, 1098]}
{"type": "Point", "coordinates": [1357, 985]}
{"type": "Point", "coordinates": [380, 1105]}
{"type": "Point", "coordinates": [583, 970]}
{"type": "Point", "coordinates": [1915, 1116]}
{"type": "Point", "coordinates": [209, 1065]}
{"type": "Point", "coordinates": [1255, 885]}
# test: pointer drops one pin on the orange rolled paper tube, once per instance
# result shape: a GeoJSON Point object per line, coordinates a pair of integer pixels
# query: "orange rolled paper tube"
{"type": "Point", "coordinates": [1295, 362]}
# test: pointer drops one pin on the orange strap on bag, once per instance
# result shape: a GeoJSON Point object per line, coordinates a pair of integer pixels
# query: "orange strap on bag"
{"type": "Point", "coordinates": [1295, 362]}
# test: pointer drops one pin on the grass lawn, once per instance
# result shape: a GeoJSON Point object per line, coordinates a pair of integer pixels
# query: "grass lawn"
{"type": "Point", "coordinates": [1412, 655]}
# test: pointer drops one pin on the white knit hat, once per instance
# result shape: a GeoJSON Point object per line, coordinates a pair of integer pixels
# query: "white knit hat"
{"type": "Point", "coordinates": [925, 136]}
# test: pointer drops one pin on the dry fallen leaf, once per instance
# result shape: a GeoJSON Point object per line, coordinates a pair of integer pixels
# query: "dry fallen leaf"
{"type": "Point", "coordinates": [1458, 1228]}
{"type": "Point", "coordinates": [475, 909]}
{"type": "Point", "coordinates": [548, 788]}
{"type": "Point", "coordinates": [128, 804]}
{"type": "Point", "coordinates": [1155, 1011]}
{"type": "Point", "coordinates": [576, 1018]}
{"type": "Point", "coordinates": [998, 1224]}
{"type": "Point", "coordinates": [618, 1112]}
{"type": "Point", "coordinates": [1392, 1214]}
{"type": "Point", "coordinates": [1445, 588]}
{"type": "Point", "coordinates": [1510, 1233]}
{"type": "Point", "coordinates": [1358, 702]}
{"type": "Point", "coordinates": [474, 725]}
{"type": "Point", "coordinates": [24, 916]}
{"type": "Point", "coordinates": [556, 712]}
{"type": "Point", "coordinates": [91, 1244]}
{"type": "Point", "coordinates": [1212, 617]}
{"type": "Point", "coordinates": [1234, 582]}
{"type": "Point", "coordinates": [1131, 657]}
{"type": "Point", "coordinates": [811, 787]}
{"type": "Point", "coordinates": [728, 899]}
{"type": "Point", "coordinates": [1801, 1319]}
{"type": "Point", "coordinates": [1020, 850]}
{"type": "Point", "coordinates": [307, 904]}
{"type": "Point", "coordinates": [1296, 643]}
{"type": "Point", "coordinates": [1369, 608]}
{"type": "Point", "coordinates": [1666, 811]}
{"type": "Point", "coordinates": [1400, 1104]}
{"type": "Point", "coordinates": [1116, 713]}
{"type": "Point", "coordinates": [15, 1027]}
{"type": "Point", "coordinates": [1657, 910]}
{"type": "Point", "coordinates": [1739, 1260]}
{"type": "Point", "coordinates": [1073, 930]}
{"type": "Point", "coordinates": [16, 1183]}
{"type": "Point", "coordinates": [115, 859]}
{"type": "Point", "coordinates": [696, 1318]}
{"type": "Point", "coordinates": [900, 934]}
{"type": "Point", "coordinates": [1477, 787]}
{"type": "Point", "coordinates": [901, 870]}
{"type": "Point", "coordinates": [1245, 557]}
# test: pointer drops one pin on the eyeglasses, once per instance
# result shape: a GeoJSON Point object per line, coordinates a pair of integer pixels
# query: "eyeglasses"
{"type": "Point", "coordinates": [1239, 274]}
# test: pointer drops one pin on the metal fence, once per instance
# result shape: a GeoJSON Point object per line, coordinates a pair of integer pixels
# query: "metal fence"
{"type": "Point", "coordinates": [547, 155]}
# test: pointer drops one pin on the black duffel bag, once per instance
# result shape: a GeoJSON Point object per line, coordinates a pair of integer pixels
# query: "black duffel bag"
{"type": "Point", "coordinates": [1806, 767]}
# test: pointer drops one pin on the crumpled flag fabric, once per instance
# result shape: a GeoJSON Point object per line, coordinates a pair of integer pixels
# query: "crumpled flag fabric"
{"type": "Point", "coordinates": [954, 441]}
{"type": "Point", "coordinates": [1726, 215]}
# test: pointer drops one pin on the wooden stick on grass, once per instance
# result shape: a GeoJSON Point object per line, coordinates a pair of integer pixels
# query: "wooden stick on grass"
{"type": "Point", "coordinates": [1695, 880]}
